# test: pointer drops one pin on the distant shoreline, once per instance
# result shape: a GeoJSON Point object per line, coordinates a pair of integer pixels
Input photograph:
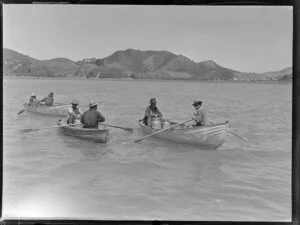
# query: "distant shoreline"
{"type": "Point", "coordinates": [148, 80]}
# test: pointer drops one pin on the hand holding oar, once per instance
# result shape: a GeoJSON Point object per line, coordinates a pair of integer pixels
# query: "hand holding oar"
{"type": "Point", "coordinates": [44, 128]}
{"type": "Point", "coordinates": [138, 140]}
{"type": "Point", "coordinates": [124, 128]}
{"type": "Point", "coordinates": [243, 138]}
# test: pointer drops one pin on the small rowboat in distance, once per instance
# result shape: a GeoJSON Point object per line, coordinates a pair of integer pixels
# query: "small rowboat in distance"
{"type": "Point", "coordinates": [98, 135]}
{"type": "Point", "coordinates": [210, 136]}
{"type": "Point", "coordinates": [55, 110]}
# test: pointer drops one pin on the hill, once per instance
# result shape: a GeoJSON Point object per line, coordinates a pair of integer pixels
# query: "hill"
{"type": "Point", "coordinates": [279, 74]}
{"type": "Point", "coordinates": [60, 66]}
{"type": "Point", "coordinates": [130, 63]}
{"type": "Point", "coordinates": [17, 64]}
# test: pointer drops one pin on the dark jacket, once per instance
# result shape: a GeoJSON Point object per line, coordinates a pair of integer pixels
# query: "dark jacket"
{"type": "Point", "coordinates": [151, 112]}
{"type": "Point", "coordinates": [200, 117]}
{"type": "Point", "coordinates": [48, 101]}
{"type": "Point", "coordinates": [91, 118]}
{"type": "Point", "coordinates": [32, 101]}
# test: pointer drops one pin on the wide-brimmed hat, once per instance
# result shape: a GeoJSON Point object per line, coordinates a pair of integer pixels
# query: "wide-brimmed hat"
{"type": "Point", "coordinates": [33, 95]}
{"type": "Point", "coordinates": [75, 102]}
{"type": "Point", "coordinates": [197, 102]}
{"type": "Point", "coordinates": [92, 103]}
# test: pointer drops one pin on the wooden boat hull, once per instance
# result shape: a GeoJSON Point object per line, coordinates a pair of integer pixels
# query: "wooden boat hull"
{"type": "Point", "coordinates": [211, 136]}
{"type": "Point", "coordinates": [98, 135]}
{"type": "Point", "coordinates": [48, 110]}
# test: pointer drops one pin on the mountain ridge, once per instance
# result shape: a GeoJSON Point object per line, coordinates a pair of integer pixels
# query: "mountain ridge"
{"type": "Point", "coordinates": [131, 63]}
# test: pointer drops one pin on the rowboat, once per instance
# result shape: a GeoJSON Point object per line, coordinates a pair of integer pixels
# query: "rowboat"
{"type": "Point", "coordinates": [98, 135]}
{"type": "Point", "coordinates": [209, 136]}
{"type": "Point", "coordinates": [55, 110]}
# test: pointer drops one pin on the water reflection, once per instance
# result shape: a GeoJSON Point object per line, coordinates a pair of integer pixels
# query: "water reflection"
{"type": "Point", "coordinates": [88, 149]}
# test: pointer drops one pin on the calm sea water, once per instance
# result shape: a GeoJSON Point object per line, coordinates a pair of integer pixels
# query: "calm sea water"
{"type": "Point", "coordinates": [47, 174]}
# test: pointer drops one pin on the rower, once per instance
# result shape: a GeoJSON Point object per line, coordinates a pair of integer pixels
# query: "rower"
{"type": "Point", "coordinates": [48, 101]}
{"type": "Point", "coordinates": [74, 113]}
{"type": "Point", "coordinates": [32, 100]}
{"type": "Point", "coordinates": [152, 112]}
{"type": "Point", "coordinates": [199, 114]}
{"type": "Point", "coordinates": [92, 117]}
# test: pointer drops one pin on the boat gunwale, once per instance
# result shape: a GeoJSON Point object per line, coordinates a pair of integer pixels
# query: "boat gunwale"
{"type": "Point", "coordinates": [64, 125]}
{"type": "Point", "coordinates": [183, 128]}
{"type": "Point", "coordinates": [41, 106]}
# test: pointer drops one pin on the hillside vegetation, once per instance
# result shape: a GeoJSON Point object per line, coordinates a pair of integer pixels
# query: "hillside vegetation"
{"type": "Point", "coordinates": [130, 63]}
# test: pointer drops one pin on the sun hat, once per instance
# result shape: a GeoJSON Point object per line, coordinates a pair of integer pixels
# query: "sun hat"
{"type": "Point", "coordinates": [75, 102]}
{"type": "Point", "coordinates": [92, 103]}
{"type": "Point", "coordinates": [197, 102]}
{"type": "Point", "coordinates": [33, 95]}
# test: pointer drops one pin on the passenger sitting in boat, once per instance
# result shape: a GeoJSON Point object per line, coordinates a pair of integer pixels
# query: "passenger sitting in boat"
{"type": "Point", "coordinates": [48, 101]}
{"type": "Point", "coordinates": [74, 113]}
{"type": "Point", "coordinates": [32, 100]}
{"type": "Point", "coordinates": [199, 114]}
{"type": "Point", "coordinates": [152, 112]}
{"type": "Point", "coordinates": [92, 117]}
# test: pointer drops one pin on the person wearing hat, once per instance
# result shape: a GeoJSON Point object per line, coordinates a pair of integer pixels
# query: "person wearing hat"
{"type": "Point", "coordinates": [199, 114]}
{"type": "Point", "coordinates": [48, 101]}
{"type": "Point", "coordinates": [32, 100]}
{"type": "Point", "coordinates": [151, 112]}
{"type": "Point", "coordinates": [74, 113]}
{"type": "Point", "coordinates": [92, 117]}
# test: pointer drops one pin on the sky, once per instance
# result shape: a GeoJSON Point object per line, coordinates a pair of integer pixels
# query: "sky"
{"type": "Point", "coordinates": [243, 38]}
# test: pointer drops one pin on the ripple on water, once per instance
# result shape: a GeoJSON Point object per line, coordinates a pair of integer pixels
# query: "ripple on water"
{"type": "Point", "coordinates": [153, 178]}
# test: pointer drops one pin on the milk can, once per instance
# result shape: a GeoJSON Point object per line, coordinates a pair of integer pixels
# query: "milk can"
{"type": "Point", "coordinates": [156, 123]}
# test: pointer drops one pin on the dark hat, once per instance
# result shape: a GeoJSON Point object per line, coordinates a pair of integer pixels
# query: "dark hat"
{"type": "Point", "coordinates": [152, 100]}
{"type": "Point", "coordinates": [75, 102]}
{"type": "Point", "coordinates": [51, 94]}
{"type": "Point", "coordinates": [197, 102]}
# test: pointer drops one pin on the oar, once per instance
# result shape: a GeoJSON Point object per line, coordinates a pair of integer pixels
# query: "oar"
{"type": "Point", "coordinates": [66, 105]}
{"type": "Point", "coordinates": [243, 138]}
{"type": "Point", "coordinates": [21, 111]}
{"type": "Point", "coordinates": [124, 128]}
{"type": "Point", "coordinates": [138, 140]}
{"type": "Point", "coordinates": [58, 106]}
{"type": "Point", "coordinates": [44, 128]}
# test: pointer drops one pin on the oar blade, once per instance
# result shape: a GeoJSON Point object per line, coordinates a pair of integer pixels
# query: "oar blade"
{"type": "Point", "coordinates": [128, 129]}
{"type": "Point", "coordinates": [136, 141]}
{"type": "Point", "coordinates": [28, 130]}
{"type": "Point", "coordinates": [20, 112]}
